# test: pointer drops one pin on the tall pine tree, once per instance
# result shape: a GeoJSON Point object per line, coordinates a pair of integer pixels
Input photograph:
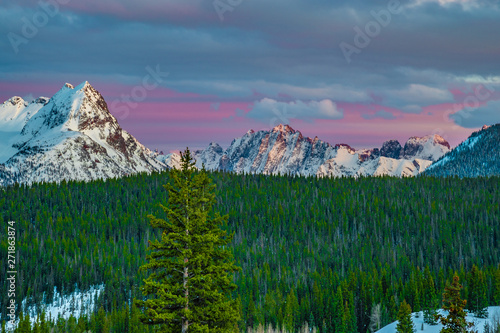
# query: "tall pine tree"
{"type": "Point", "coordinates": [405, 323]}
{"type": "Point", "coordinates": [477, 301]}
{"type": "Point", "coordinates": [429, 300]}
{"type": "Point", "coordinates": [190, 284]}
{"type": "Point", "coordinates": [455, 322]}
{"type": "Point", "coordinates": [496, 286]}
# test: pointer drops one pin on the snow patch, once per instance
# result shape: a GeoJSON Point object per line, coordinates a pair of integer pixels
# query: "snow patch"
{"type": "Point", "coordinates": [76, 303]}
{"type": "Point", "coordinates": [418, 322]}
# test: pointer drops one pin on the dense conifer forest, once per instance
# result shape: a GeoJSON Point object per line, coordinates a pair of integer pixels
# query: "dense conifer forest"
{"type": "Point", "coordinates": [328, 252]}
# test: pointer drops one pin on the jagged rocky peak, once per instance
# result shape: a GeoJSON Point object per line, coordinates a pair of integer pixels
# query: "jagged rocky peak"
{"type": "Point", "coordinates": [16, 100]}
{"type": "Point", "coordinates": [430, 147]}
{"type": "Point", "coordinates": [391, 149]}
{"type": "Point", "coordinates": [345, 146]}
{"type": "Point", "coordinates": [440, 140]}
{"type": "Point", "coordinates": [78, 109]}
{"type": "Point", "coordinates": [90, 110]}
{"type": "Point", "coordinates": [214, 146]}
{"type": "Point", "coordinates": [284, 129]}
{"type": "Point", "coordinates": [40, 100]}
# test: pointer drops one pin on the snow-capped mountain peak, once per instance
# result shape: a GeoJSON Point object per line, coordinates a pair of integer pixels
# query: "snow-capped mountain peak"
{"type": "Point", "coordinates": [283, 128]}
{"type": "Point", "coordinates": [429, 147]}
{"type": "Point", "coordinates": [16, 101]}
{"type": "Point", "coordinates": [74, 136]}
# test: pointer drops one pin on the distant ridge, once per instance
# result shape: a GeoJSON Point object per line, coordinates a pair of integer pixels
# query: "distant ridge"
{"type": "Point", "coordinates": [479, 155]}
{"type": "Point", "coordinates": [285, 150]}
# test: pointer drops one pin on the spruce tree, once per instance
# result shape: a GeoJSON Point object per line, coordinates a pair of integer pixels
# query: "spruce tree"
{"type": "Point", "coordinates": [477, 301]}
{"type": "Point", "coordinates": [455, 322]}
{"type": "Point", "coordinates": [496, 287]}
{"type": "Point", "coordinates": [429, 301]}
{"type": "Point", "coordinates": [190, 284]}
{"type": "Point", "coordinates": [405, 323]}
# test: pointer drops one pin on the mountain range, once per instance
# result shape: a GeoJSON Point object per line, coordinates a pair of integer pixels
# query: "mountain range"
{"type": "Point", "coordinates": [284, 150]}
{"type": "Point", "coordinates": [73, 136]}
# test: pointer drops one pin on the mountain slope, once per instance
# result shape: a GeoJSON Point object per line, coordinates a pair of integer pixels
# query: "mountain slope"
{"type": "Point", "coordinates": [286, 151]}
{"type": "Point", "coordinates": [479, 155]}
{"type": "Point", "coordinates": [14, 114]}
{"type": "Point", "coordinates": [72, 136]}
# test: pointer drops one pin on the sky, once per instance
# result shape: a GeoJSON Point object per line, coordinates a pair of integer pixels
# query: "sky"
{"type": "Point", "coordinates": [179, 73]}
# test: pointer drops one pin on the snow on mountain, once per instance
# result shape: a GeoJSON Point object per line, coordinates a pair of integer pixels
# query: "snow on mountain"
{"type": "Point", "coordinates": [286, 151]}
{"type": "Point", "coordinates": [493, 316]}
{"type": "Point", "coordinates": [14, 113]}
{"type": "Point", "coordinates": [479, 155]}
{"type": "Point", "coordinates": [209, 157]}
{"type": "Point", "coordinates": [172, 160]}
{"type": "Point", "coordinates": [70, 136]}
{"type": "Point", "coordinates": [430, 147]}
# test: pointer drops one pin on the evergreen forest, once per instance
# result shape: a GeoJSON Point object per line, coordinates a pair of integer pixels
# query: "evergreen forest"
{"type": "Point", "coordinates": [334, 253]}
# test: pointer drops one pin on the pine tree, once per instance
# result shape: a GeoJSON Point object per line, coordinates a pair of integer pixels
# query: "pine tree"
{"type": "Point", "coordinates": [429, 300]}
{"type": "Point", "coordinates": [496, 292]}
{"type": "Point", "coordinates": [251, 314]}
{"type": "Point", "coordinates": [44, 325]}
{"type": "Point", "coordinates": [455, 322]}
{"type": "Point", "coordinates": [405, 323]}
{"type": "Point", "coordinates": [338, 312]}
{"type": "Point", "coordinates": [189, 286]}
{"type": "Point", "coordinates": [24, 325]}
{"type": "Point", "coordinates": [477, 300]}
{"type": "Point", "coordinates": [350, 312]}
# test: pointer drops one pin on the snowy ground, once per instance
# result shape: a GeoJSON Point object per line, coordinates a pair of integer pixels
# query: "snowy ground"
{"type": "Point", "coordinates": [479, 322]}
{"type": "Point", "coordinates": [65, 306]}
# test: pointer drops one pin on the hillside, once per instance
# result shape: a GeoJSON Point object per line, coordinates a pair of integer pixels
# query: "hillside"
{"type": "Point", "coordinates": [479, 155]}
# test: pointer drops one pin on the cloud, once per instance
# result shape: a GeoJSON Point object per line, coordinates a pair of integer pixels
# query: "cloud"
{"type": "Point", "coordinates": [283, 50]}
{"type": "Point", "coordinates": [414, 96]}
{"type": "Point", "coordinates": [420, 93]}
{"type": "Point", "coordinates": [466, 4]}
{"type": "Point", "coordinates": [488, 114]}
{"type": "Point", "coordinates": [380, 114]}
{"type": "Point", "coordinates": [269, 109]}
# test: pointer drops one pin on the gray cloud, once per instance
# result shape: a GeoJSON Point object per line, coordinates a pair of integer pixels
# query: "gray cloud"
{"type": "Point", "coordinates": [488, 114]}
{"type": "Point", "coordinates": [268, 48]}
{"type": "Point", "coordinates": [270, 110]}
